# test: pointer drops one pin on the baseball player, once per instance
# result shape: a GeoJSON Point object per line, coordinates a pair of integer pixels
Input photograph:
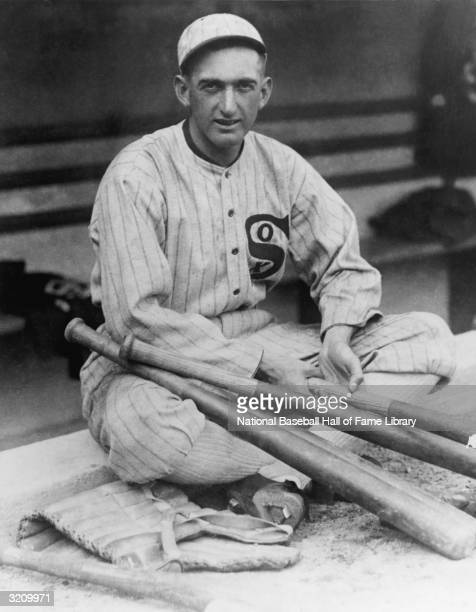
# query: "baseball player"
{"type": "Point", "coordinates": [191, 228]}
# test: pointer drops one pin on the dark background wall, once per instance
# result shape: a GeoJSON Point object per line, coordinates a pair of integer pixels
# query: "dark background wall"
{"type": "Point", "coordinates": [86, 61]}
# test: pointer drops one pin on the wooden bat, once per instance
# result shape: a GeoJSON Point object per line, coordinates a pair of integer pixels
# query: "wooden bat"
{"type": "Point", "coordinates": [410, 441]}
{"type": "Point", "coordinates": [430, 521]}
{"type": "Point", "coordinates": [169, 588]}
{"type": "Point", "coordinates": [459, 429]}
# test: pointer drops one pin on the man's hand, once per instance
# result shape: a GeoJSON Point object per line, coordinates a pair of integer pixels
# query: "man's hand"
{"type": "Point", "coordinates": [337, 361]}
{"type": "Point", "coordinates": [285, 370]}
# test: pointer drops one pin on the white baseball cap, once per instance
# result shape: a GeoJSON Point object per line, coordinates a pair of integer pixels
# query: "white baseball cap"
{"type": "Point", "coordinates": [214, 27]}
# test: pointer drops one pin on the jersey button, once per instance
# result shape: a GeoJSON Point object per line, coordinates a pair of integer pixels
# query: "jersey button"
{"type": "Point", "coordinates": [227, 174]}
{"type": "Point", "coordinates": [236, 292]}
{"type": "Point", "coordinates": [231, 212]}
{"type": "Point", "coordinates": [235, 251]}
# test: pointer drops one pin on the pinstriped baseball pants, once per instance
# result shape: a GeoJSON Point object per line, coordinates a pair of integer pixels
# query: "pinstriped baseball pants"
{"type": "Point", "coordinates": [150, 433]}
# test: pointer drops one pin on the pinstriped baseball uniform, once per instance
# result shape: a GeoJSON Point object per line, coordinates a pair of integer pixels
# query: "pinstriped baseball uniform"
{"type": "Point", "coordinates": [185, 251]}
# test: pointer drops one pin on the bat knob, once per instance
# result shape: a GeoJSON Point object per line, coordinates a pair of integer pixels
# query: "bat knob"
{"type": "Point", "coordinates": [69, 332]}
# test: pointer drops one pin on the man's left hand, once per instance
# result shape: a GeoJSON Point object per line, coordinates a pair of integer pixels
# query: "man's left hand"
{"type": "Point", "coordinates": [337, 361]}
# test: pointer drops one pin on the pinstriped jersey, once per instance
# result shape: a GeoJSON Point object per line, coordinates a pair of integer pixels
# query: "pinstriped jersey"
{"type": "Point", "coordinates": [186, 249]}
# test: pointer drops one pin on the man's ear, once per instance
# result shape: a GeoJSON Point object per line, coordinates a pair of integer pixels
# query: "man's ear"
{"type": "Point", "coordinates": [182, 90]}
{"type": "Point", "coordinates": [265, 92]}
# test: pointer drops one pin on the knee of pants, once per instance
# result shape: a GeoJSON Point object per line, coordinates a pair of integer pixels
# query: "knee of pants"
{"type": "Point", "coordinates": [147, 430]}
{"type": "Point", "coordinates": [432, 325]}
{"type": "Point", "coordinates": [439, 341]}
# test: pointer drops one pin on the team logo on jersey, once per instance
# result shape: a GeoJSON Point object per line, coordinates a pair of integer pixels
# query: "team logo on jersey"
{"type": "Point", "coordinates": [266, 237]}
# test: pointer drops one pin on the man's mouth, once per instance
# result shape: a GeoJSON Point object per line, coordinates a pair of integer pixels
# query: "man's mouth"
{"type": "Point", "coordinates": [227, 122]}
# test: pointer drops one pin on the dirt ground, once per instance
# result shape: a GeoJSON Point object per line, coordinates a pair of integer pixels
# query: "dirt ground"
{"type": "Point", "coordinates": [349, 561]}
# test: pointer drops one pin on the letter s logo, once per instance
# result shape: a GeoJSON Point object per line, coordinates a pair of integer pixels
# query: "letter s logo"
{"type": "Point", "coordinates": [265, 234]}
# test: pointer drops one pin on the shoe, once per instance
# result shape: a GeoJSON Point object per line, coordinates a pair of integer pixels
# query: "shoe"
{"type": "Point", "coordinates": [278, 502]}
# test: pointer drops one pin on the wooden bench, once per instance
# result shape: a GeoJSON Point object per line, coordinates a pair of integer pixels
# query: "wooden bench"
{"type": "Point", "coordinates": [38, 157]}
{"type": "Point", "coordinates": [364, 149]}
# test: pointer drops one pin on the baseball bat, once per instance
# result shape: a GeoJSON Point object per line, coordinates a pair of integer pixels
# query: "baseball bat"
{"type": "Point", "coordinates": [420, 515]}
{"type": "Point", "coordinates": [458, 429]}
{"type": "Point", "coordinates": [410, 441]}
{"type": "Point", "coordinates": [142, 583]}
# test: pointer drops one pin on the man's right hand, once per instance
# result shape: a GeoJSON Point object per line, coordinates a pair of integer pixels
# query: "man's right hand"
{"type": "Point", "coordinates": [284, 370]}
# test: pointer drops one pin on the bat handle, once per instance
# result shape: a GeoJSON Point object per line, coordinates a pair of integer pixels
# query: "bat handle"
{"type": "Point", "coordinates": [135, 350]}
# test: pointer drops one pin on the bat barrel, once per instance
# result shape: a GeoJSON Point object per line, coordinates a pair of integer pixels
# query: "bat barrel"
{"type": "Point", "coordinates": [431, 420]}
{"type": "Point", "coordinates": [426, 418]}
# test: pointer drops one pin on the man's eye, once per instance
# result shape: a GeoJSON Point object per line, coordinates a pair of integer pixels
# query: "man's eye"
{"type": "Point", "coordinates": [211, 87]}
{"type": "Point", "coordinates": [245, 87]}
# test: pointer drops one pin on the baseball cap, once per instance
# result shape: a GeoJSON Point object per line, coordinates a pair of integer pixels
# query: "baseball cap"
{"type": "Point", "coordinates": [210, 28]}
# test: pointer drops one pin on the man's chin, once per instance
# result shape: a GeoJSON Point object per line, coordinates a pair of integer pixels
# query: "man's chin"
{"type": "Point", "coordinates": [227, 141]}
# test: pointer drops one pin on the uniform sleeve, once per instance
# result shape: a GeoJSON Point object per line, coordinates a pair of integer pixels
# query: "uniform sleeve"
{"type": "Point", "coordinates": [135, 280]}
{"type": "Point", "coordinates": [324, 244]}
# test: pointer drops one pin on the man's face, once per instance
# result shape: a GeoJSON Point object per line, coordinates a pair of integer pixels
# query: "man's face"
{"type": "Point", "coordinates": [224, 92]}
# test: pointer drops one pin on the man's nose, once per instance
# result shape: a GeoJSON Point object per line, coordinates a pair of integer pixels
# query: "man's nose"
{"type": "Point", "coordinates": [228, 101]}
